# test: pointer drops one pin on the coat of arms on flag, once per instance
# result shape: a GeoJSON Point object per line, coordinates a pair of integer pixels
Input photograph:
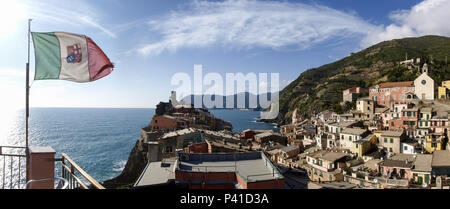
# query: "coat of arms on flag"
{"type": "Point", "coordinates": [74, 53]}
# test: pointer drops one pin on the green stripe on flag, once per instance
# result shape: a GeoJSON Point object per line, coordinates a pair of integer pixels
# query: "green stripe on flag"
{"type": "Point", "coordinates": [47, 56]}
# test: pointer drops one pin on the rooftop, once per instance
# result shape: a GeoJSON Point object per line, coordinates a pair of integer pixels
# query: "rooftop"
{"type": "Point", "coordinates": [381, 110]}
{"type": "Point", "coordinates": [365, 139]}
{"type": "Point", "coordinates": [289, 148]}
{"type": "Point", "coordinates": [157, 173]}
{"type": "Point", "coordinates": [396, 84]}
{"type": "Point", "coordinates": [423, 163]}
{"type": "Point", "coordinates": [253, 166]}
{"type": "Point", "coordinates": [265, 134]}
{"type": "Point", "coordinates": [178, 133]}
{"type": "Point", "coordinates": [426, 109]}
{"type": "Point", "coordinates": [397, 163]}
{"type": "Point", "coordinates": [329, 156]}
{"type": "Point", "coordinates": [354, 131]}
{"type": "Point", "coordinates": [441, 158]}
{"type": "Point", "coordinates": [391, 133]}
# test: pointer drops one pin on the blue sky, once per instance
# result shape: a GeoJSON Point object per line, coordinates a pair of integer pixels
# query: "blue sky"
{"type": "Point", "coordinates": [149, 41]}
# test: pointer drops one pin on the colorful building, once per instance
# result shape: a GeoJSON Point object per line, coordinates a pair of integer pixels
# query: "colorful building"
{"type": "Point", "coordinates": [350, 135]}
{"type": "Point", "coordinates": [390, 141]}
{"type": "Point", "coordinates": [387, 93]}
{"type": "Point", "coordinates": [349, 94]}
{"type": "Point", "coordinates": [422, 169]}
{"type": "Point", "coordinates": [165, 123]}
{"type": "Point", "coordinates": [444, 90]}
{"type": "Point", "coordinates": [434, 142]}
{"type": "Point", "coordinates": [364, 145]}
{"type": "Point", "coordinates": [323, 166]}
{"type": "Point", "coordinates": [365, 108]}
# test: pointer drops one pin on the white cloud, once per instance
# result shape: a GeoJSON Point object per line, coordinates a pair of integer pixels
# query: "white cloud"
{"type": "Point", "coordinates": [245, 24]}
{"type": "Point", "coordinates": [429, 17]}
{"type": "Point", "coordinates": [73, 13]}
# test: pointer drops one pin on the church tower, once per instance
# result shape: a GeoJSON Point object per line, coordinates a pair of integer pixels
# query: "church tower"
{"type": "Point", "coordinates": [425, 68]}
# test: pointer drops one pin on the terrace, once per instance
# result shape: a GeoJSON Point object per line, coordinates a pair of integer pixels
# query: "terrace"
{"type": "Point", "coordinates": [34, 168]}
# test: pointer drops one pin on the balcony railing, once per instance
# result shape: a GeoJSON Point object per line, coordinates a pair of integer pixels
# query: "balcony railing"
{"type": "Point", "coordinates": [12, 167]}
{"type": "Point", "coordinates": [72, 173]}
{"type": "Point", "coordinates": [13, 171]}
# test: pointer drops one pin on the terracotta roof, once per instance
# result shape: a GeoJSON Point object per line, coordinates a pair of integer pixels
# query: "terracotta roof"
{"type": "Point", "coordinates": [396, 84]}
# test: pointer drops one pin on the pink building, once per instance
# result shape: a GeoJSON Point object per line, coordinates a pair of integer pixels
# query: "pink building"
{"type": "Point", "coordinates": [387, 93]}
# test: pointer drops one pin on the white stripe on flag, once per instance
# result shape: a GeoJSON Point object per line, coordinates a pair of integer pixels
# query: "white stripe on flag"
{"type": "Point", "coordinates": [77, 70]}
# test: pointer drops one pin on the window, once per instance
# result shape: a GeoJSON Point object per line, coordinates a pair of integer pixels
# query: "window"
{"type": "Point", "coordinates": [356, 145]}
{"type": "Point", "coordinates": [331, 165]}
{"type": "Point", "coordinates": [390, 149]}
{"type": "Point", "coordinates": [392, 140]}
{"type": "Point", "coordinates": [350, 138]}
{"type": "Point", "coordinates": [156, 121]}
{"type": "Point", "coordinates": [385, 140]}
{"type": "Point", "coordinates": [405, 148]}
{"type": "Point", "coordinates": [168, 149]}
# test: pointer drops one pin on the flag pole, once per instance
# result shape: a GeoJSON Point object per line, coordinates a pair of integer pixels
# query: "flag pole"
{"type": "Point", "coordinates": [27, 100]}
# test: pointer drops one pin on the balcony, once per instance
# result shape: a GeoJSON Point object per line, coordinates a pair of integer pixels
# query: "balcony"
{"type": "Point", "coordinates": [37, 170]}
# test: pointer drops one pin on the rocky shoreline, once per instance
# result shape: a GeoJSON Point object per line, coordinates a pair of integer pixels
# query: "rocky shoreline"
{"type": "Point", "coordinates": [136, 163]}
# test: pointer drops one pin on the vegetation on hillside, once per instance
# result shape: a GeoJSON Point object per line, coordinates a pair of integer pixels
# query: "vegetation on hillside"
{"type": "Point", "coordinates": [321, 88]}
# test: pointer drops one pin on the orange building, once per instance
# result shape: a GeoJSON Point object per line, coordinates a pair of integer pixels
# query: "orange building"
{"type": "Point", "coordinates": [166, 123]}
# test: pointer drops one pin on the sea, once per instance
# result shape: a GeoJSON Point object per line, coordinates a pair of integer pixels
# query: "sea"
{"type": "Point", "coordinates": [99, 140]}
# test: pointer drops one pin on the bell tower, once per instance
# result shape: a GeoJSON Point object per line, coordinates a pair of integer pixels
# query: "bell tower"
{"type": "Point", "coordinates": [425, 68]}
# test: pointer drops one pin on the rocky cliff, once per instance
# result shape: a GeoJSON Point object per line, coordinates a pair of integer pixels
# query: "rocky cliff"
{"type": "Point", "coordinates": [133, 168]}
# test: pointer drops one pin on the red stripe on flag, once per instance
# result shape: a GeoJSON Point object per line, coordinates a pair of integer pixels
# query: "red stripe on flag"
{"type": "Point", "coordinates": [99, 64]}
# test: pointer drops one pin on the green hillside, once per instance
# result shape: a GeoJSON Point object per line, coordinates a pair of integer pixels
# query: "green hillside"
{"type": "Point", "coordinates": [321, 88]}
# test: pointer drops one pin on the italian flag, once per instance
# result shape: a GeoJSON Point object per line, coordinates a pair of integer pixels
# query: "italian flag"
{"type": "Point", "coordinates": [67, 56]}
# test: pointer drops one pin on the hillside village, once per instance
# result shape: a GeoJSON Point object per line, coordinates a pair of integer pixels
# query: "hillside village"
{"type": "Point", "coordinates": [395, 137]}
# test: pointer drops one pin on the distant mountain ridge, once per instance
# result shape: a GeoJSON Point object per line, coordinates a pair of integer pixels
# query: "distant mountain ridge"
{"type": "Point", "coordinates": [246, 95]}
{"type": "Point", "coordinates": [321, 88]}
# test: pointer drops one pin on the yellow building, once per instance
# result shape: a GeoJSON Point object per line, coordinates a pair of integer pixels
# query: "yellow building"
{"type": "Point", "coordinates": [444, 90]}
{"type": "Point", "coordinates": [362, 146]}
{"type": "Point", "coordinates": [422, 169]}
{"type": "Point", "coordinates": [390, 140]}
{"type": "Point", "coordinates": [433, 142]}
{"type": "Point", "coordinates": [446, 84]}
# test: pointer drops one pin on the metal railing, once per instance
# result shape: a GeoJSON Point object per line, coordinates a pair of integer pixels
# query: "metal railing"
{"type": "Point", "coordinates": [69, 171]}
{"type": "Point", "coordinates": [11, 171]}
